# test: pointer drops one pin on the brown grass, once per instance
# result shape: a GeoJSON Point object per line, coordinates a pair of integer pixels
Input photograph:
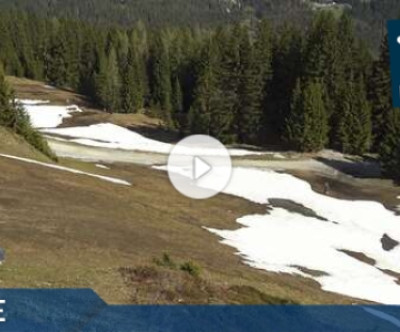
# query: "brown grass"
{"type": "Point", "coordinates": [65, 230]}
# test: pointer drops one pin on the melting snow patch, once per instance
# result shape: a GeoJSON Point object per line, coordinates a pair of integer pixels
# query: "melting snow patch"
{"type": "Point", "coordinates": [47, 116]}
{"type": "Point", "coordinates": [283, 241]}
{"type": "Point", "coordinates": [32, 101]}
{"type": "Point", "coordinates": [67, 169]}
{"type": "Point", "coordinates": [107, 135]}
{"type": "Point", "coordinates": [102, 166]}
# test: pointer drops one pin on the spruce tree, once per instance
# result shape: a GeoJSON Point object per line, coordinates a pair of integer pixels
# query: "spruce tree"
{"type": "Point", "coordinates": [389, 149]}
{"type": "Point", "coordinates": [306, 127]}
{"type": "Point", "coordinates": [380, 94]}
{"type": "Point", "coordinates": [207, 94]}
{"type": "Point", "coordinates": [108, 83]}
{"type": "Point", "coordinates": [57, 66]}
{"type": "Point", "coordinates": [251, 85]}
{"type": "Point", "coordinates": [287, 66]}
{"type": "Point", "coordinates": [354, 123]}
{"type": "Point", "coordinates": [228, 74]}
{"type": "Point", "coordinates": [161, 88]}
{"type": "Point", "coordinates": [132, 90]}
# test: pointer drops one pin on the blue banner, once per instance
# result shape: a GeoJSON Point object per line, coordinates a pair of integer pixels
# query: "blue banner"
{"type": "Point", "coordinates": [394, 46]}
{"type": "Point", "coordinates": [73, 310]}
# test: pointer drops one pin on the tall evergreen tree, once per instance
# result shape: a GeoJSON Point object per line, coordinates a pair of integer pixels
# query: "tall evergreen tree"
{"type": "Point", "coordinates": [251, 86]}
{"type": "Point", "coordinates": [354, 123]}
{"type": "Point", "coordinates": [287, 67]}
{"type": "Point", "coordinates": [306, 127]}
{"type": "Point", "coordinates": [201, 117]}
{"type": "Point", "coordinates": [108, 82]}
{"type": "Point", "coordinates": [389, 148]}
{"type": "Point", "coordinates": [57, 66]}
{"type": "Point", "coordinates": [380, 94]}
{"type": "Point", "coordinates": [161, 88]}
{"type": "Point", "coordinates": [132, 86]}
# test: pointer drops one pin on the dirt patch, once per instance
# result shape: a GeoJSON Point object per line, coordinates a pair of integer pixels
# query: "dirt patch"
{"type": "Point", "coordinates": [311, 272]}
{"type": "Point", "coordinates": [359, 256]}
{"type": "Point", "coordinates": [379, 190]}
{"type": "Point", "coordinates": [295, 208]}
{"type": "Point", "coordinates": [392, 274]}
{"type": "Point", "coordinates": [388, 243]}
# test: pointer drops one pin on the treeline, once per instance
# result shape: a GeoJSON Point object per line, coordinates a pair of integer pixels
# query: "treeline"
{"type": "Point", "coordinates": [128, 12]}
{"type": "Point", "coordinates": [370, 16]}
{"type": "Point", "coordinates": [242, 83]}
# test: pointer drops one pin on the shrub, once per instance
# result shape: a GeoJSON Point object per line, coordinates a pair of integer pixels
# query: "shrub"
{"type": "Point", "coordinates": [191, 268]}
{"type": "Point", "coordinates": [165, 261]}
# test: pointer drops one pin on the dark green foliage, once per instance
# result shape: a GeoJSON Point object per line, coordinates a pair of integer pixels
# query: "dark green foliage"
{"type": "Point", "coordinates": [191, 268]}
{"type": "Point", "coordinates": [252, 75]}
{"type": "Point", "coordinates": [380, 93]}
{"type": "Point", "coordinates": [207, 94]}
{"type": "Point", "coordinates": [354, 121]}
{"type": "Point", "coordinates": [236, 83]}
{"type": "Point", "coordinates": [108, 82]}
{"type": "Point", "coordinates": [160, 78]}
{"type": "Point", "coordinates": [307, 126]}
{"type": "Point", "coordinates": [165, 261]}
{"type": "Point", "coordinates": [390, 145]}
{"type": "Point", "coordinates": [13, 116]}
{"type": "Point", "coordinates": [287, 64]}
{"type": "Point", "coordinates": [132, 85]}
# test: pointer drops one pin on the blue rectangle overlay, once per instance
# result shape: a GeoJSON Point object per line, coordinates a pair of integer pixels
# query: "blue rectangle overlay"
{"type": "Point", "coordinates": [394, 46]}
{"type": "Point", "coordinates": [81, 310]}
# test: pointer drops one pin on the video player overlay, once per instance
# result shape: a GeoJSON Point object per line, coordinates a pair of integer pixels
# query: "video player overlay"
{"type": "Point", "coordinates": [394, 45]}
{"type": "Point", "coordinates": [76, 310]}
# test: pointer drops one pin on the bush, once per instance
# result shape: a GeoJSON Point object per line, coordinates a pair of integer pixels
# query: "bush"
{"type": "Point", "coordinates": [165, 261]}
{"type": "Point", "coordinates": [191, 268]}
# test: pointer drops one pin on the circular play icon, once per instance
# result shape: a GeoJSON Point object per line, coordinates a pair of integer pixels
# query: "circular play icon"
{"type": "Point", "coordinates": [199, 167]}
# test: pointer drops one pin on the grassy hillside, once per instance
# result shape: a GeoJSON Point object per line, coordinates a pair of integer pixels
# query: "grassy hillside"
{"type": "Point", "coordinates": [17, 146]}
{"type": "Point", "coordinates": [66, 230]}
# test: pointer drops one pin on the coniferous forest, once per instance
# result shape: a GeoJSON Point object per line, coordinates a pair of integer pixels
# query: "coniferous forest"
{"type": "Point", "coordinates": [247, 83]}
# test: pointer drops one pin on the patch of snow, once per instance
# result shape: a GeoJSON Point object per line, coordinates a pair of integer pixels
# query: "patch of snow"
{"type": "Point", "coordinates": [279, 156]}
{"type": "Point", "coordinates": [283, 241]}
{"type": "Point", "coordinates": [67, 169]}
{"type": "Point", "coordinates": [32, 101]}
{"type": "Point", "coordinates": [102, 166]}
{"type": "Point", "coordinates": [50, 87]}
{"type": "Point", "coordinates": [47, 116]}
{"type": "Point", "coordinates": [107, 135]}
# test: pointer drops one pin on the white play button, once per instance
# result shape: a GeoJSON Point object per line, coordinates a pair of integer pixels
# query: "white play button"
{"type": "Point", "coordinates": [199, 166]}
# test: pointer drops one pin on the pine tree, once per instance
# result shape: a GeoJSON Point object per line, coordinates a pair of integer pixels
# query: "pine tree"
{"type": "Point", "coordinates": [207, 95]}
{"type": "Point", "coordinates": [132, 89]}
{"type": "Point", "coordinates": [389, 148]}
{"type": "Point", "coordinates": [13, 117]}
{"type": "Point", "coordinates": [380, 94]}
{"type": "Point", "coordinates": [354, 123]}
{"type": "Point", "coordinates": [161, 79]}
{"type": "Point", "coordinates": [306, 127]}
{"type": "Point", "coordinates": [251, 86]}
{"type": "Point", "coordinates": [223, 124]}
{"type": "Point", "coordinates": [287, 64]}
{"type": "Point", "coordinates": [56, 61]}
{"type": "Point", "coordinates": [262, 58]}
{"type": "Point", "coordinates": [108, 83]}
